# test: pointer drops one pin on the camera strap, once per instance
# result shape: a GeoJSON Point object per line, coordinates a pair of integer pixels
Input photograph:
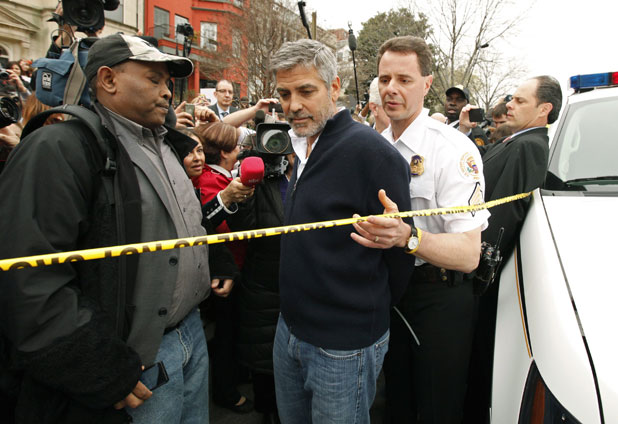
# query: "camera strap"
{"type": "Point", "coordinates": [92, 122]}
{"type": "Point", "coordinates": [76, 81]}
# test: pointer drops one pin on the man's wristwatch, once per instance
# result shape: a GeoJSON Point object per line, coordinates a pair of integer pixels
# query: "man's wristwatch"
{"type": "Point", "coordinates": [414, 241]}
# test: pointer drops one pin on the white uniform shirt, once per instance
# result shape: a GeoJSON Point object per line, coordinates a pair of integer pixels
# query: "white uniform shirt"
{"type": "Point", "coordinates": [452, 175]}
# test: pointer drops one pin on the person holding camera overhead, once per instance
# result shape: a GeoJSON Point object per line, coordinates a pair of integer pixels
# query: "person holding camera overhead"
{"type": "Point", "coordinates": [117, 339]}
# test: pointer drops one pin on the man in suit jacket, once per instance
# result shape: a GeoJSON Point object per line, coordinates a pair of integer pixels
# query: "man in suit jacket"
{"type": "Point", "coordinates": [224, 93]}
{"type": "Point", "coordinates": [514, 164]}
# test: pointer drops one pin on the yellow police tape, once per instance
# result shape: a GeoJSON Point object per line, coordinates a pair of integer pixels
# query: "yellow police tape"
{"type": "Point", "coordinates": [155, 246]}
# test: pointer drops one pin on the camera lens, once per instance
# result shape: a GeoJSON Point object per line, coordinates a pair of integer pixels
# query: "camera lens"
{"type": "Point", "coordinates": [9, 112]}
{"type": "Point", "coordinates": [275, 141]}
{"type": "Point", "coordinates": [84, 13]}
{"type": "Point", "coordinates": [4, 75]}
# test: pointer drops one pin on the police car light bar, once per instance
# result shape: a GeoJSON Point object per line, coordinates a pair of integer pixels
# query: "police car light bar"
{"type": "Point", "coordinates": [606, 79]}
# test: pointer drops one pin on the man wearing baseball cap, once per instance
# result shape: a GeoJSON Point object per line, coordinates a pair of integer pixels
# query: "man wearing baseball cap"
{"type": "Point", "coordinates": [456, 98]}
{"type": "Point", "coordinates": [99, 341]}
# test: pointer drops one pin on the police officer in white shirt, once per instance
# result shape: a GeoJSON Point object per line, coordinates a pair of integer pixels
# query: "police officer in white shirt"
{"type": "Point", "coordinates": [432, 327]}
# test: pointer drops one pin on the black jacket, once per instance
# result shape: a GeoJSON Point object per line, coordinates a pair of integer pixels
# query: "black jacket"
{"type": "Point", "coordinates": [514, 167]}
{"type": "Point", "coordinates": [258, 293]}
{"type": "Point", "coordinates": [64, 325]}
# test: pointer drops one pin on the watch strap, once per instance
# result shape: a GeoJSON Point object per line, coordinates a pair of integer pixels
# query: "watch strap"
{"type": "Point", "coordinates": [416, 233]}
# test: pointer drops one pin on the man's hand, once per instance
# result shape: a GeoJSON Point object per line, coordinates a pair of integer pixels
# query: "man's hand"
{"type": "Point", "coordinates": [241, 116]}
{"type": "Point", "coordinates": [263, 104]}
{"type": "Point", "coordinates": [235, 192]}
{"type": "Point", "coordinates": [223, 291]}
{"type": "Point", "coordinates": [465, 125]}
{"type": "Point", "coordinates": [205, 114]}
{"type": "Point", "coordinates": [183, 119]}
{"type": "Point", "coordinates": [8, 138]}
{"type": "Point", "coordinates": [16, 81]}
{"type": "Point", "coordinates": [134, 399]}
{"type": "Point", "coordinates": [380, 232]}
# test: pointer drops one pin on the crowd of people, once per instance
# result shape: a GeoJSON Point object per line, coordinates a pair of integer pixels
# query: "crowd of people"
{"type": "Point", "coordinates": [310, 318]}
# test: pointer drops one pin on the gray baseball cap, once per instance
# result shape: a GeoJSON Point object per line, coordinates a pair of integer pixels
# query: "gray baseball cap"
{"type": "Point", "coordinates": [115, 49]}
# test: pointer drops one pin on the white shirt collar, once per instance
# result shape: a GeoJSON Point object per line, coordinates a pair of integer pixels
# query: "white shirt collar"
{"type": "Point", "coordinates": [413, 135]}
{"type": "Point", "coordinates": [524, 131]}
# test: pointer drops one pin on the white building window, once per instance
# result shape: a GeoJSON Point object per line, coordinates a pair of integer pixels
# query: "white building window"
{"type": "Point", "coordinates": [115, 15]}
{"type": "Point", "coordinates": [162, 23]}
{"type": "Point", "coordinates": [236, 44]}
{"type": "Point", "coordinates": [208, 36]}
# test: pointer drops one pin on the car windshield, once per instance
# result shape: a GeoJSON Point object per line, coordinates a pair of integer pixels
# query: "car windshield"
{"type": "Point", "coordinates": [585, 154]}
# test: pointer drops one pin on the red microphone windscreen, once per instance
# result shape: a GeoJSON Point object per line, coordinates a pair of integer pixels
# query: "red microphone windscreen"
{"type": "Point", "coordinates": [252, 171]}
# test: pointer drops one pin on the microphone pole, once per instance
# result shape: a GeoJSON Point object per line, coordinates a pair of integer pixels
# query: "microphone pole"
{"type": "Point", "coordinates": [303, 18]}
{"type": "Point", "coordinates": [352, 46]}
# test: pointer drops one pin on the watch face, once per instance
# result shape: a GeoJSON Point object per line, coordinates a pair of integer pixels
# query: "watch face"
{"type": "Point", "coordinates": [412, 243]}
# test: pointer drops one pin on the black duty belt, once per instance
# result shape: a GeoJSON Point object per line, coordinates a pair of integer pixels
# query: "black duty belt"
{"type": "Point", "coordinates": [428, 273]}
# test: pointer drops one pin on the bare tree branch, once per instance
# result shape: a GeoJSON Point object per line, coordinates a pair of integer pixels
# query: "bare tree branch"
{"type": "Point", "coordinates": [465, 36]}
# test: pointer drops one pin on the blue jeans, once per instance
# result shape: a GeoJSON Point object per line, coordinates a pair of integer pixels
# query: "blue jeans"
{"type": "Point", "coordinates": [184, 398]}
{"type": "Point", "coordinates": [316, 385]}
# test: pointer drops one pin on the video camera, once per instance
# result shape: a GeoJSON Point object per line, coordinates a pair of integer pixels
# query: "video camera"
{"type": "Point", "coordinates": [271, 142]}
{"type": "Point", "coordinates": [272, 137]}
{"type": "Point", "coordinates": [87, 15]}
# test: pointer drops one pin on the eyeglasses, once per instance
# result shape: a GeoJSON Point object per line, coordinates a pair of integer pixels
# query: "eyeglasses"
{"type": "Point", "coordinates": [225, 91]}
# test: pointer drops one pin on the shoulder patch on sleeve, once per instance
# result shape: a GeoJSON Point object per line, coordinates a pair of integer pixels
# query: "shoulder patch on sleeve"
{"type": "Point", "coordinates": [468, 167]}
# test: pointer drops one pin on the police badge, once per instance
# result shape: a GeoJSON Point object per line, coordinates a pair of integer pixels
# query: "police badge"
{"type": "Point", "coordinates": [416, 165]}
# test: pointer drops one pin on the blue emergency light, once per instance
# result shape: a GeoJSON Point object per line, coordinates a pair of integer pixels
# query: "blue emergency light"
{"type": "Point", "coordinates": [606, 79]}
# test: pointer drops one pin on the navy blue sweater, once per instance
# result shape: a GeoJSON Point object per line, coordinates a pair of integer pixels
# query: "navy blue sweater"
{"type": "Point", "coordinates": [335, 293]}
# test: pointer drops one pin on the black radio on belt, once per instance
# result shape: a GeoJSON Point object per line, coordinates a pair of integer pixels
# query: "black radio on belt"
{"type": "Point", "coordinates": [488, 265]}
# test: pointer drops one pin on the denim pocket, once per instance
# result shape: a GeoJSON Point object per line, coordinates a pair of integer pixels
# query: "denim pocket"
{"type": "Point", "coordinates": [381, 347]}
{"type": "Point", "coordinates": [341, 355]}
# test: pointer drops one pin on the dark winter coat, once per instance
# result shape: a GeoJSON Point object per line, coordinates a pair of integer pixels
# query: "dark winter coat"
{"type": "Point", "coordinates": [65, 326]}
{"type": "Point", "coordinates": [258, 293]}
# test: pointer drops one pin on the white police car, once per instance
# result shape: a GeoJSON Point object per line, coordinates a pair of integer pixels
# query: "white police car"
{"type": "Point", "coordinates": [556, 354]}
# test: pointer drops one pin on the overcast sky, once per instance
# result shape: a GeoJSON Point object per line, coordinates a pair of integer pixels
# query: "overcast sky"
{"type": "Point", "coordinates": [556, 37]}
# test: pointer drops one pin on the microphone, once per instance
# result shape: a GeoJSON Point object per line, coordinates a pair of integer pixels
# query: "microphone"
{"type": "Point", "coordinates": [261, 117]}
{"type": "Point", "coordinates": [251, 171]}
{"type": "Point", "coordinates": [351, 40]}
{"type": "Point", "coordinates": [303, 18]}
